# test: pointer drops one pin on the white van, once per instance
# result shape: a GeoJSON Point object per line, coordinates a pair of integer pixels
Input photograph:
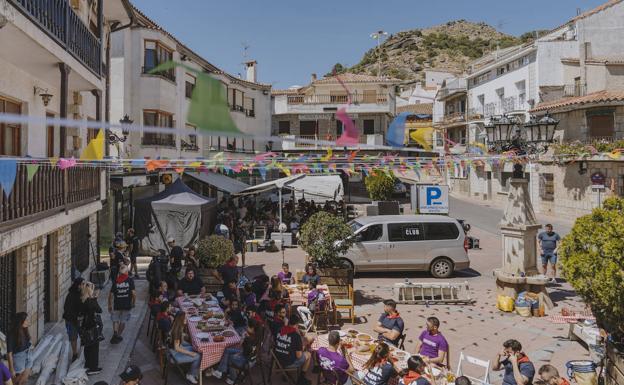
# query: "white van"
{"type": "Point", "coordinates": [408, 242]}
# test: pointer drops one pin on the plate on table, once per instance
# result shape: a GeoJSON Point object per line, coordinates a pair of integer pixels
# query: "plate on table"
{"type": "Point", "coordinates": [228, 333]}
{"type": "Point", "coordinates": [202, 335]}
{"type": "Point", "coordinates": [342, 333]}
{"type": "Point", "coordinates": [195, 318]}
{"type": "Point", "coordinates": [364, 337]}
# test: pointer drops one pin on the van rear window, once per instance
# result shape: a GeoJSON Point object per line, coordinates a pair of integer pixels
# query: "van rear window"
{"type": "Point", "coordinates": [440, 231]}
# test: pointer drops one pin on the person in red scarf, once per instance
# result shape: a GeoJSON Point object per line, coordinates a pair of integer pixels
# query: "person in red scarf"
{"type": "Point", "coordinates": [390, 324]}
{"type": "Point", "coordinates": [550, 375]}
{"type": "Point", "coordinates": [519, 370]}
{"type": "Point", "coordinates": [415, 371]}
{"type": "Point", "coordinates": [289, 348]}
{"type": "Point", "coordinates": [164, 320]}
{"type": "Point", "coordinates": [120, 301]}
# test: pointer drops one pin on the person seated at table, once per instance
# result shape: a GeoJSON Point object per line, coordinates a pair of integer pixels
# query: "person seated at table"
{"type": "Point", "coordinates": [390, 324]}
{"type": "Point", "coordinates": [237, 357]}
{"type": "Point", "coordinates": [289, 348]}
{"type": "Point", "coordinates": [549, 376]}
{"type": "Point", "coordinates": [431, 344]}
{"type": "Point", "coordinates": [164, 320]}
{"type": "Point", "coordinates": [316, 298]}
{"type": "Point", "coordinates": [234, 314]}
{"type": "Point", "coordinates": [379, 368]}
{"type": "Point", "coordinates": [190, 284]}
{"type": "Point", "coordinates": [228, 272]}
{"type": "Point", "coordinates": [163, 292]}
{"type": "Point", "coordinates": [230, 290]}
{"type": "Point", "coordinates": [259, 286]}
{"type": "Point", "coordinates": [463, 380]}
{"type": "Point", "coordinates": [267, 307]}
{"type": "Point", "coordinates": [415, 372]}
{"type": "Point", "coordinates": [181, 350]}
{"type": "Point", "coordinates": [279, 319]}
{"type": "Point", "coordinates": [251, 312]}
{"type": "Point", "coordinates": [285, 275]}
{"type": "Point", "coordinates": [311, 275]}
{"type": "Point", "coordinates": [335, 359]}
{"type": "Point", "coordinates": [278, 287]}
{"type": "Point", "coordinates": [248, 297]}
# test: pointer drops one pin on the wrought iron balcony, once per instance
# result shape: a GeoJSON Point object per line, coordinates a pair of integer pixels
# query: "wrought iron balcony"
{"type": "Point", "coordinates": [59, 21]}
{"type": "Point", "coordinates": [51, 190]}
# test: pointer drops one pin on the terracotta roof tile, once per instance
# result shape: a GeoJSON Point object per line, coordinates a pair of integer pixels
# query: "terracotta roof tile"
{"type": "Point", "coordinates": [418, 108]}
{"type": "Point", "coordinates": [290, 91]}
{"type": "Point", "coordinates": [355, 78]}
{"type": "Point", "coordinates": [596, 97]}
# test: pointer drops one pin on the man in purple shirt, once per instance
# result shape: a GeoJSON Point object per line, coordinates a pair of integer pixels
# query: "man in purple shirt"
{"type": "Point", "coordinates": [431, 344]}
{"type": "Point", "coordinates": [332, 361]}
{"type": "Point", "coordinates": [285, 276]}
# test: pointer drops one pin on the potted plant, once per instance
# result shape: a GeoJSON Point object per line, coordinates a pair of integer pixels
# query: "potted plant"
{"type": "Point", "coordinates": [592, 255]}
{"type": "Point", "coordinates": [212, 253]}
{"type": "Point", "coordinates": [326, 238]}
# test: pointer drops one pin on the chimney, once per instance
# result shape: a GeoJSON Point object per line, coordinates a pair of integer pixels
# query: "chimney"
{"type": "Point", "coordinates": [313, 78]}
{"type": "Point", "coordinates": [251, 71]}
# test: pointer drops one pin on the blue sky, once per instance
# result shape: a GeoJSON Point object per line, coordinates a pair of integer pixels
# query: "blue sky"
{"type": "Point", "coordinates": [292, 39]}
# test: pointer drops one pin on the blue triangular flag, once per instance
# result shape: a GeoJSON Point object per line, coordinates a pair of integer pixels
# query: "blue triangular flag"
{"type": "Point", "coordinates": [396, 131]}
{"type": "Point", "coordinates": [8, 171]}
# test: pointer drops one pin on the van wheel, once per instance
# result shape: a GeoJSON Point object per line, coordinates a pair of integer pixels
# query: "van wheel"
{"type": "Point", "coordinates": [348, 265]}
{"type": "Point", "coordinates": [442, 268]}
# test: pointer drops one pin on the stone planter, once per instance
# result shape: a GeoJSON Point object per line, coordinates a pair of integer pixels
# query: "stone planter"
{"type": "Point", "coordinates": [338, 280]}
{"type": "Point", "coordinates": [615, 365]}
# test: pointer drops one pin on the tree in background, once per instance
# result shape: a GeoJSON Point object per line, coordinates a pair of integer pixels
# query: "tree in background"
{"type": "Point", "coordinates": [592, 256]}
{"type": "Point", "coordinates": [326, 237]}
{"type": "Point", "coordinates": [214, 251]}
{"type": "Point", "coordinates": [380, 186]}
{"type": "Point", "coordinates": [338, 68]}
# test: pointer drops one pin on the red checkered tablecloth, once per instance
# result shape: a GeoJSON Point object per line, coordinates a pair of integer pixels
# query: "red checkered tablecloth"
{"type": "Point", "coordinates": [211, 351]}
{"type": "Point", "coordinates": [568, 319]}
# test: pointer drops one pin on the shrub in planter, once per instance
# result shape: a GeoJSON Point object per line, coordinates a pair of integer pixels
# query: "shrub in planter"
{"type": "Point", "coordinates": [592, 256]}
{"type": "Point", "coordinates": [380, 186]}
{"type": "Point", "coordinates": [214, 251]}
{"type": "Point", "coordinates": [326, 237]}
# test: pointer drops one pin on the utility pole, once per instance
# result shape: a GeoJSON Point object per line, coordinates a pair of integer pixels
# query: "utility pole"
{"type": "Point", "coordinates": [379, 35]}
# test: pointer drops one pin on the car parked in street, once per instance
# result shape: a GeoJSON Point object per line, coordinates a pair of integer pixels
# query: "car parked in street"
{"type": "Point", "coordinates": [433, 243]}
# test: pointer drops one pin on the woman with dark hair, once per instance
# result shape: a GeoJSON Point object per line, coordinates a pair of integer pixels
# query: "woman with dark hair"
{"type": "Point", "coordinates": [379, 367]}
{"type": "Point", "coordinates": [71, 311]}
{"type": "Point", "coordinates": [414, 373]}
{"type": "Point", "coordinates": [310, 275]}
{"type": "Point", "coordinates": [183, 351]}
{"type": "Point", "coordinates": [19, 349]}
{"type": "Point", "coordinates": [90, 308]}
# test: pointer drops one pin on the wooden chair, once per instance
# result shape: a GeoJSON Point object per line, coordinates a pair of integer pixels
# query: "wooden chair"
{"type": "Point", "coordinates": [347, 303]}
{"type": "Point", "coordinates": [277, 367]}
{"type": "Point", "coordinates": [244, 372]}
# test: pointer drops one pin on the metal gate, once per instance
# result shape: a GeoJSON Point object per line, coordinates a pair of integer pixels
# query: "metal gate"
{"type": "Point", "coordinates": [7, 290]}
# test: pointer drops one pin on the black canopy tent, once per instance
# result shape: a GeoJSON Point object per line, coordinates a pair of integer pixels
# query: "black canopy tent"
{"type": "Point", "coordinates": [177, 212]}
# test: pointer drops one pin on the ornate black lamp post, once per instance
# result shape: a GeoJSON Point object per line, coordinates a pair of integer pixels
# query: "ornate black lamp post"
{"type": "Point", "coordinates": [113, 137]}
{"type": "Point", "coordinates": [508, 133]}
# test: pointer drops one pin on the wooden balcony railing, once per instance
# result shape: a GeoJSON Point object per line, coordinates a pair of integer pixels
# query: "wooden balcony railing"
{"type": "Point", "coordinates": [51, 190]}
{"type": "Point", "coordinates": [59, 21]}
{"type": "Point", "coordinates": [337, 99]}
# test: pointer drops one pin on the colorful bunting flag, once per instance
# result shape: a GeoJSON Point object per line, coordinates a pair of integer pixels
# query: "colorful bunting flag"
{"type": "Point", "coordinates": [8, 171]}
{"type": "Point", "coordinates": [95, 148]}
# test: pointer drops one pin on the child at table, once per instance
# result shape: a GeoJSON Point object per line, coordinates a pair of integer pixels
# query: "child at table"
{"type": "Point", "coordinates": [236, 316]}
{"type": "Point", "coordinates": [181, 350]}
{"type": "Point", "coordinates": [285, 275]}
{"type": "Point", "coordinates": [238, 357]}
{"type": "Point", "coordinates": [414, 375]}
{"type": "Point", "coordinates": [379, 368]}
{"type": "Point", "coordinates": [164, 320]}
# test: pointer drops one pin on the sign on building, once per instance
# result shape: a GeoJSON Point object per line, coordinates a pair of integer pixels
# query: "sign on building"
{"type": "Point", "coordinates": [433, 199]}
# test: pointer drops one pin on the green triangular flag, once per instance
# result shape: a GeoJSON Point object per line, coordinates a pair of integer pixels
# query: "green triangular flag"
{"type": "Point", "coordinates": [31, 170]}
{"type": "Point", "coordinates": [209, 109]}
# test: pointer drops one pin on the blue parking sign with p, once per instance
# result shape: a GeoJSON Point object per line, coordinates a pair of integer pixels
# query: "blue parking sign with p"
{"type": "Point", "coordinates": [433, 200]}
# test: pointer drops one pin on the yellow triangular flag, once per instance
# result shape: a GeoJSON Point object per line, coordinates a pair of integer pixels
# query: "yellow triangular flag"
{"type": "Point", "coordinates": [95, 148]}
{"type": "Point", "coordinates": [423, 136]}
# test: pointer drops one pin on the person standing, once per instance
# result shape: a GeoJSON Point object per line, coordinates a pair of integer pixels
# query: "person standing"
{"type": "Point", "coordinates": [90, 309]}
{"type": "Point", "coordinates": [176, 254]}
{"type": "Point", "coordinates": [519, 370]}
{"type": "Point", "coordinates": [390, 324]}
{"type": "Point", "coordinates": [133, 251]}
{"type": "Point", "coordinates": [120, 301]}
{"type": "Point", "coordinates": [119, 258]}
{"type": "Point", "coordinates": [432, 345]}
{"type": "Point", "coordinates": [19, 349]}
{"type": "Point", "coordinates": [228, 272]}
{"type": "Point", "coordinates": [71, 311]}
{"type": "Point", "coordinates": [548, 243]}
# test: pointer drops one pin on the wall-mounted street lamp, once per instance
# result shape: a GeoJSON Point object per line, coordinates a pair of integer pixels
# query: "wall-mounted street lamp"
{"type": "Point", "coordinates": [45, 95]}
{"type": "Point", "coordinates": [113, 137]}
{"type": "Point", "coordinates": [506, 133]}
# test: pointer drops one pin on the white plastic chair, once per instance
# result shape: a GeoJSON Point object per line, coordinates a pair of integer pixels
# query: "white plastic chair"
{"type": "Point", "coordinates": [477, 362]}
{"type": "Point", "coordinates": [306, 318]}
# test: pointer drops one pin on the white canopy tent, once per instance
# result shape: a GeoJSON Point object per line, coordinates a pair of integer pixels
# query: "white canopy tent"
{"type": "Point", "coordinates": [314, 187]}
{"type": "Point", "coordinates": [221, 182]}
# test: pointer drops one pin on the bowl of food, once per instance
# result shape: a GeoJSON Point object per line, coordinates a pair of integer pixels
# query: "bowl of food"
{"type": "Point", "coordinates": [364, 348]}
{"type": "Point", "coordinates": [352, 333]}
{"type": "Point", "coordinates": [364, 337]}
{"type": "Point", "coordinates": [218, 338]}
{"type": "Point", "coordinates": [228, 333]}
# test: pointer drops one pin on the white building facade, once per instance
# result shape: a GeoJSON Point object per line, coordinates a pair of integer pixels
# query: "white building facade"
{"type": "Point", "coordinates": [51, 67]}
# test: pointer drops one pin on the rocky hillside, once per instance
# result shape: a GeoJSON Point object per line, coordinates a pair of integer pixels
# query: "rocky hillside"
{"type": "Point", "coordinates": [453, 45]}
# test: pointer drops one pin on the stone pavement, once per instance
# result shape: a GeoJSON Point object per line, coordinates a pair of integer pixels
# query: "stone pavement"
{"type": "Point", "coordinates": [478, 330]}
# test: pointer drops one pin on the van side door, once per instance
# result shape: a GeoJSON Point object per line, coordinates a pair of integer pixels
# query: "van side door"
{"type": "Point", "coordinates": [406, 246]}
{"type": "Point", "coordinates": [371, 247]}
